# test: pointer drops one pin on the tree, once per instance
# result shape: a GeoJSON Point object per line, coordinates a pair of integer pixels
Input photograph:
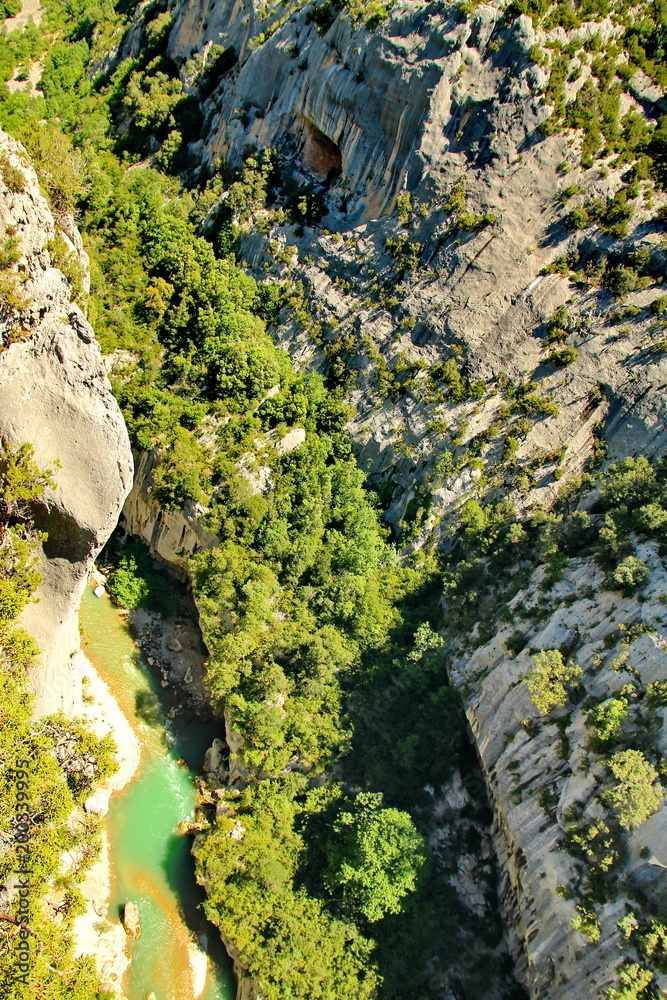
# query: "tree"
{"type": "Point", "coordinates": [547, 682]}
{"type": "Point", "coordinates": [21, 482]}
{"type": "Point", "coordinates": [9, 8]}
{"type": "Point", "coordinates": [638, 793]}
{"type": "Point", "coordinates": [376, 858]}
{"type": "Point", "coordinates": [630, 574]}
{"type": "Point", "coordinates": [633, 981]}
{"type": "Point", "coordinates": [606, 719]}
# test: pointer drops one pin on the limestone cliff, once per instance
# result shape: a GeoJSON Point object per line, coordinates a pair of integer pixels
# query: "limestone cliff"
{"type": "Point", "coordinates": [55, 395]}
{"type": "Point", "coordinates": [425, 103]}
{"type": "Point", "coordinates": [544, 777]}
{"type": "Point", "coordinates": [445, 237]}
{"type": "Point", "coordinates": [173, 535]}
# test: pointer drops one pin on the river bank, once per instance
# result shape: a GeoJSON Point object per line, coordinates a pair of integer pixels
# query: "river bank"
{"type": "Point", "coordinates": [162, 739]}
{"type": "Point", "coordinates": [94, 933]}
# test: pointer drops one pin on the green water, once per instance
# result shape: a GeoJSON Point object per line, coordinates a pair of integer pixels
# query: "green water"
{"type": "Point", "coordinates": [151, 861]}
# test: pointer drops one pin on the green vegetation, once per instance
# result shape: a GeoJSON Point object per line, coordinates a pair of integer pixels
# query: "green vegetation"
{"type": "Point", "coordinates": [637, 793]}
{"type": "Point", "coordinates": [606, 721]}
{"type": "Point", "coordinates": [68, 262]}
{"type": "Point", "coordinates": [370, 12]}
{"type": "Point", "coordinates": [47, 770]}
{"type": "Point", "coordinates": [11, 175]}
{"type": "Point", "coordinates": [376, 858]}
{"type": "Point", "coordinates": [12, 298]}
{"type": "Point", "coordinates": [9, 8]}
{"type": "Point", "coordinates": [322, 639]}
{"type": "Point", "coordinates": [305, 606]}
{"type": "Point", "coordinates": [547, 682]}
{"type": "Point", "coordinates": [288, 939]}
{"type": "Point", "coordinates": [457, 206]}
{"type": "Point", "coordinates": [633, 980]}
{"type": "Point", "coordinates": [134, 583]}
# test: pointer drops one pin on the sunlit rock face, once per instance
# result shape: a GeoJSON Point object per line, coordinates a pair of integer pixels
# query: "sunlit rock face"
{"type": "Point", "coordinates": [55, 394]}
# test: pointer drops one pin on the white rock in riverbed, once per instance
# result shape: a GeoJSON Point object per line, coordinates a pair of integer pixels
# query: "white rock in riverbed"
{"type": "Point", "coordinates": [130, 920]}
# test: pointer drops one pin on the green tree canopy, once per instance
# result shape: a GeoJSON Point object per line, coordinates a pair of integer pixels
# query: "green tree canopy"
{"type": "Point", "coordinates": [637, 793]}
{"type": "Point", "coordinates": [375, 859]}
{"type": "Point", "coordinates": [21, 482]}
{"type": "Point", "coordinates": [547, 682]}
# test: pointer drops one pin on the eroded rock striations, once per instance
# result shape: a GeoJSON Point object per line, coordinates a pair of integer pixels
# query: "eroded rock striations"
{"type": "Point", "coordinates": [55, 394]}
{"type": "Point", "coordinates": [545, 778]}
{"type": "Point", "coordinates": [428, 102]}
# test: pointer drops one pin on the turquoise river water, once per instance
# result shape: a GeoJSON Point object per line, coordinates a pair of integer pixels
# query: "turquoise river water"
{"type": "Point", "coordinates": [151, 861]}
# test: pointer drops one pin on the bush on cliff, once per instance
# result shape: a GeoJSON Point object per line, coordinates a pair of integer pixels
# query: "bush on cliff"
{"type": "Point", "coordinates": [637, 792]}
{"type": "Point", "coordinates": [549, 681]}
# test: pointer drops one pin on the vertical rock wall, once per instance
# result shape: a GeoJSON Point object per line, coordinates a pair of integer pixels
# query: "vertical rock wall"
{"type": "Point", "coordinates": [54, 393]}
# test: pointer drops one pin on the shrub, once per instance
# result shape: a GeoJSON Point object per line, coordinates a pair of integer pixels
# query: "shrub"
{"type": "Point", "coordinates": [637, 793]}
{"type": "Point", "coordinates": [656, 694]}
{"type": "Point", "coordinates": [620, 280]}
{"type": "Point", "coordinates": [630, 574]}
{"type": "Point", "coordinates": [67, 261]}
{"type": "Point", "coordinates": [565, 357]}
{"type": "Point", "coordinates": [12, 298]}
{"type": "Point", "coordinates": [515, 642]}
{"type": "Point", "coordinates": [9, 8]}
{"type": "Point", "coordinates": [404, 207]}
{"type": "Point", "coordinates": [547, 682]}
{"type": "Point", "coordinates": [13, 178]}
{"type": "Point", "coordinates": [134, 582]}
{"type": "Point", "coordinates": [586, 921]}
{"type": "Point", "coordinates": [606, 720]}
{"type": "Point", "coordinates": [633, 981]}
{"type": "Point", "coordinates": [579, 218]}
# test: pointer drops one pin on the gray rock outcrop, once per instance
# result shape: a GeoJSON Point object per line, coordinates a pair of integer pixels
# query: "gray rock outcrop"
{"type": "Point", "coordinates": [173, 535]}
{"type": "Point", "coordinates": [544, 778]}
{"type": "Point", "coordinates": [55, 395]}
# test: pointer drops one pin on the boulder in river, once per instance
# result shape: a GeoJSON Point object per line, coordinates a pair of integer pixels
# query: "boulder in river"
{"type": "Point", "coordinates": [187, 827]}
{"type": "Point", "coordinates": [130, 920]}
{"type": "Point", "coordinates": [97, 804]}
{"type": "Point", "coordinates": [215, 762]}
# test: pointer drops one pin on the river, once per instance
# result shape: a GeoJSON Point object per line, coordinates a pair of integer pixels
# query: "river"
{"type": "Point", "coordinates": [151, 862]}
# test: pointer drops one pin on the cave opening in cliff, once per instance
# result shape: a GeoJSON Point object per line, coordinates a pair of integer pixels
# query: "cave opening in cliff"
{"type": "Point", "coordinates": [321, 155]}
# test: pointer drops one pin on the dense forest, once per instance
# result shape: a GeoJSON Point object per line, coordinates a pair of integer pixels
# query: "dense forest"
{"type": "Point", "coordinates": [326, 634]}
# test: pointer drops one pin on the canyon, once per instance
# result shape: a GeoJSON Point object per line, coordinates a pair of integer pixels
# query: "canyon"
{"type": "Point", "coordinates": [386, 125]}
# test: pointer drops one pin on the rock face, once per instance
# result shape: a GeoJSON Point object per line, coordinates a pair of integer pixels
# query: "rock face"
{"type": "Point", "coordinates": [55, 395]}
{"type": "Point", "coordinates": [355, 108]}
{"type": "Point", "coordinates": [538, 778]}
{"type": "Point", "coordinates": [426, 102]}
{"type": "Point", "coordinates": [173, 535]}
